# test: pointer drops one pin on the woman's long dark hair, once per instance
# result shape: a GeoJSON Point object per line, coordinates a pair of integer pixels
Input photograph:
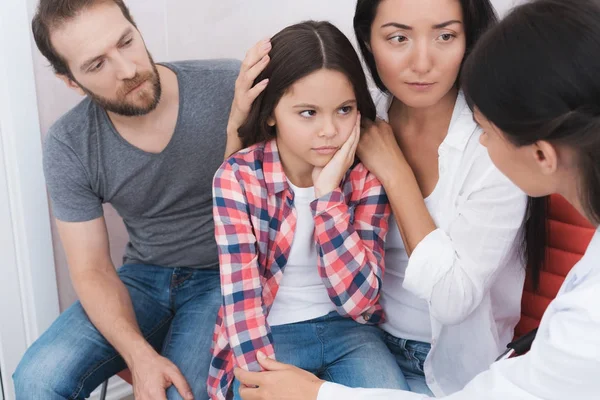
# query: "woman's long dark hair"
{"type": "Point", "coordinates": [535, 76]}
{"type": "Point", "coordinates": [478, 16]}
{"type": "Point", "coordinates": [296, 52]}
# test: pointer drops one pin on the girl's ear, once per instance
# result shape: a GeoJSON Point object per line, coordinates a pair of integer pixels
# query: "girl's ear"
{"type": "Point", "coordinates": [271, 121]}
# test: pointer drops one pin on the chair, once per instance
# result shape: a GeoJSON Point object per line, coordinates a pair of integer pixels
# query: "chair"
{"type": "Point", "coordinates": [125, 375]}
{"type": "Point", "coordinates": [569, 234]}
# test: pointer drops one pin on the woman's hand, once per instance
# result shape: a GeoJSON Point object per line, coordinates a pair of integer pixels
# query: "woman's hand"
{"type": "Point", "coordinates": [328, 178]}
{"type": "Point", "coordinates": [254, 63]}
{"type": "Point", "coordinates": [278, 382]}
{"type": "Point", "coordinates": [378, 150]}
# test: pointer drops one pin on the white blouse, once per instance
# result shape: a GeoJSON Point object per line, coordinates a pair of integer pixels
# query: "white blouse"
{"type": "Point", "coordinates": [469, 272]}
{"type": "Point", "coordinates": [563, 363]}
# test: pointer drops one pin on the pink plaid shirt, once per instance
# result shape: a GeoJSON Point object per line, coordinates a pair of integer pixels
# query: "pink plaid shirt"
{"type": "Point", "coordinates": [255, 220]}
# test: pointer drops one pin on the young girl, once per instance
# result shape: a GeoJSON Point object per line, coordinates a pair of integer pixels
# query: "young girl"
{"type": "Point", "coordinates": [300, 226]}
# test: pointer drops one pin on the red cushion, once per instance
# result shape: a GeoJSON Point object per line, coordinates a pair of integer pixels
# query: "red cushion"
{"type": "Point", "coordinates": [569, 234]}
{"type": "Point", "coordinates": [126, 376]}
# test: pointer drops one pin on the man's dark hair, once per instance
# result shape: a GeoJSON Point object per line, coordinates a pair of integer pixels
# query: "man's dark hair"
{"type": "Point", "coordinates": [51, 14]}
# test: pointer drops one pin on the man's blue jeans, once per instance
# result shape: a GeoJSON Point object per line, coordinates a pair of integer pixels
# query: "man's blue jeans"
{"type": "Point", "coordinates": [176, 310]}
{"type": "Point", "coordinates": [339, 350]}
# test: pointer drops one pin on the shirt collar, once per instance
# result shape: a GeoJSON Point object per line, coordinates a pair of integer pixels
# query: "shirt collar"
{"type": "Point", "coordinates": [586, 265]}
{"type": "Point", "coordinates": [462, 125]}
{"type": "Point", "coordinates": [273, 169]}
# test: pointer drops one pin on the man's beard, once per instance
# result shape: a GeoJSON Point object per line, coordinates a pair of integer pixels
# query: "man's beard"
{"type": "Point", "coordinates": [121, 105]}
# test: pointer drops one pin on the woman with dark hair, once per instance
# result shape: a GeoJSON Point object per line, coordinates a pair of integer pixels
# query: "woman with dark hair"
{"type": "Point", "coordinates": [534, 90]}
{"type": "Point", "coordinates": [455, 265]}
{"type": "Point", "coordinates": [300, 225]}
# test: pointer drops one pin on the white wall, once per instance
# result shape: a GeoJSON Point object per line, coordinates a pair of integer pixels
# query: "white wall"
{"type": "Point", "coordinates": [28, 296]}
{"type": "Point", "coordinates": [188, 29]}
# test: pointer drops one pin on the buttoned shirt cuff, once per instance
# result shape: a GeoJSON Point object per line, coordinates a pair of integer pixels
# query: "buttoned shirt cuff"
{"type": "Point", "coordinates": [429, 262]}
{"type": "Point", "coordinates": [328, 202]}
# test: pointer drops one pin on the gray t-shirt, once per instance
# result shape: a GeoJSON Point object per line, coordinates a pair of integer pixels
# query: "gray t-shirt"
{"type": "Point", "coordinates": [164, 199]}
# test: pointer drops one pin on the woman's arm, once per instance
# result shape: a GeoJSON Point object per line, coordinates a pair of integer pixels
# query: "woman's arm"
{"type": "Point", "coordinates": [451, 270]}
{"type": "Point", "coordinates": [240, 276]}
{"type": "Point", "coordinates": [380, 153]}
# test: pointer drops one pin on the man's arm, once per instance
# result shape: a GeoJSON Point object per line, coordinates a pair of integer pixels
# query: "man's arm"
{"type": "Point", "coordinates": [107, 302]}
{"type": "Point", "coordinates": [102, 294]}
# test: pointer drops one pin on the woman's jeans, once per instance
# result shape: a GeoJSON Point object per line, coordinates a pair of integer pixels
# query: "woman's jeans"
{"type": "Point", "coordinates": [410, 356]}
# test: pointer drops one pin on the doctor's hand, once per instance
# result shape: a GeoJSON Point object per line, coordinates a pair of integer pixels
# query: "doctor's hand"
{"type": "Point", "coordinates": [278, 381]}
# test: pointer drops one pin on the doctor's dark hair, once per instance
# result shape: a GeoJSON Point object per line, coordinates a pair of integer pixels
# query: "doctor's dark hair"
{"type": "Point", "coordinates": [297, 51]}
{"type": "Point", "coordinates": [539, 82]}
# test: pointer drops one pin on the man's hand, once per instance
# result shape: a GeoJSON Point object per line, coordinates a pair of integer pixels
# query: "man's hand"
{"type": "Point", "coordinates": [153, 375]}
{"type": "Point", "coordinates": [246, 92]}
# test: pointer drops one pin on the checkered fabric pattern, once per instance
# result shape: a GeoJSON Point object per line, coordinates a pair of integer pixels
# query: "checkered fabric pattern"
{"type": "Point", "coordinates": [255, 222]}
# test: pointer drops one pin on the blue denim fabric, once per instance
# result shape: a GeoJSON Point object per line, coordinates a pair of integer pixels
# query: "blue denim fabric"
{"type": "Point", "coordinates": [339, 350]}
{"type": "Point", "coordinates": [410, 356]}
{"type": "Point", "coordinates": [176, 310]}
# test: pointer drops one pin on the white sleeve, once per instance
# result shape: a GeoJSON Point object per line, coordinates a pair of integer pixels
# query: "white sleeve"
{"type": "Point", "coordinates": [333, 391]}
{"type": "Point", "coordinates": [461, 264]}
{"type": "Point", "coordinates": [564, 361]}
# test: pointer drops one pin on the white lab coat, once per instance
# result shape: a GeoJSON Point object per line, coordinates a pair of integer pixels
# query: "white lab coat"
{"type": "Point", "coordinates": [564, 361]}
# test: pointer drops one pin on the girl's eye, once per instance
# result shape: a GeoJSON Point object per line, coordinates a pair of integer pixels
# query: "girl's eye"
{"type": "Point", "coordinates": [308, 113]}
{"type": "Point", "coordinates": [346, 110]}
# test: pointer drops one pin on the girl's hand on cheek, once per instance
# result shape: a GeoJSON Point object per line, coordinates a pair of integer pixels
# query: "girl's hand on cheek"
{"type": "Point", "coordinates": [328, 178]}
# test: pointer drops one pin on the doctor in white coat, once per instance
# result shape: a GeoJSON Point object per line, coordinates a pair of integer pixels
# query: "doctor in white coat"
{"type": "Point", "coordinates": [532, 82]}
